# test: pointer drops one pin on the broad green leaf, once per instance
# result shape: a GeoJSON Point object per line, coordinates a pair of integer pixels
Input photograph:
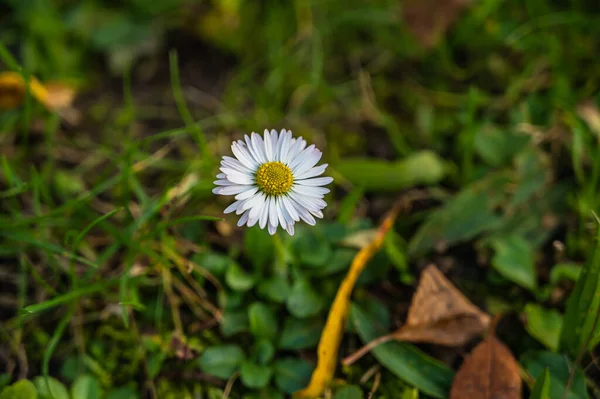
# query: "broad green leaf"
{"type": "Point", "coordinates": [263, 323]}
{"type": "Point", "coordinates": [263, 351]}
{"type": "Point", "coordinates": [87, 387]}
{"type": "Point", "coordinates": [237, 279]}
{"type": "Point", "coordinates": [50, 388]}
{"type": "Point", "coordinates": [215, 263]}
{"type": "Point", "coordinates": [423, 167]}
{"type": "Point", "coordinates": [222, 360]}
{"type": "Point", "coordinates": [275, 288]}
{"type": "Point", "coordinates": [543, 324]}
{"type": "Point", "coordinates": [404, 360]}
{"type": "Point", "coordinates": [292, 374]}
{"type": "Point", "coordinates": [464, 216]}
{"type": "Point", "coordinates": [5, 379]}
{"type": "Point", "coordinates": [22, 389]}
{"type": "Point", "coordinates": [565, 271]}
{"type": "Point", "coordinates": [515, 260]}
{"type": "Point", "coordinates": [122, 393]}
{"type": "Point", "coordinates": [300, 333]}
{"type": "Point", "coordinates": [559, 367]}
{"type": "Point", "coordinates": [312, 249]}
{"type": "Point", "coordinates": [582, 306]}
{"type": "Point", "coordinates": [339, 261]}
{"type": "Point", "coordinates": [259, 247]}
{"type": "Point", "coordinates": [234, 321]}
{"type": "Point", "coordinates": [541, 389]}
{"type": "Point", "coordinates": [255, 375]}
{"type": "Point", "coordinates": [348, 392]}
{"type": "Point", "coordinates": [304, 300]}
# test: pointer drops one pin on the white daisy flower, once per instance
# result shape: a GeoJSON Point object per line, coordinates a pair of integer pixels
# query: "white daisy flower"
{"type": "Point", "coordinates": [274, 180]}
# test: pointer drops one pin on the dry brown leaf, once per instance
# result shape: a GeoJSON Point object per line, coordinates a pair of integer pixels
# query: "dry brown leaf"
{"type": "Point", "coordinates": [428, 20]}
{"type": "Point", "coordinates": [489, 372]}
{"type": "Point", "coordinates": [439, 314]}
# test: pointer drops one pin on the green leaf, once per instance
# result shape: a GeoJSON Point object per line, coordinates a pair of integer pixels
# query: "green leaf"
{"type": "Point", "coordinates": [22, 389]}
{"type": "Point", "coordinates": [339, 261]}
{"type": "Point", "coordinates": [87, 387]}
{"type": "Point", "coordinates": [304, 301]}
{"type": "Point", "coordinates": [50, 388]}
{"type": "Point", "coordinates": [348, 392]}
{"type": "Point", "coordinates": [122, 393]}
{"type": "Point", "coordinates": [254, 375]}
{"type": "Point", "coordinates": [234, 322]}
{"type": "Point", "coordinates": [215, 263]}
{"type": "Point", "coordinates": [582, 307]}
{"type": "Point", "coordinates": [463, 217]}
{"type": "Point", "coordinates": [404, 360]}
{"type": "Point", "coordinates": [259, 247]}
{"type": "Point", "coordinates": [541, 389]}
{"type": "Point", "coordinates": [263, 351]}
{"type": "Point", "coordinates": [565, 271]}
{"type": "Point", "coordinates": [543, 324]}
{"type": "Point", "coordinates": [275, 288]}
{"type": "Point", "coordinates": [263, 323]}
{"type": "Point", "coordinates": [300, 333]}
{"type": "Point", "coordinates": [515, 260]}
{"type": "Point", "coordinates": [292, 374]}
{"type": "Point", "coordinates": [238, 279]}
{"type": "Point", "coordinates": [423, 167]}
{"type": "Point", "coordinates": [5, 379]}
{"type": "Point", "coordinates": [221, 360]}
{"type": "Point", "coordinates": [313, 251]}
{"type": "Point", "coordinates": [559, 368]}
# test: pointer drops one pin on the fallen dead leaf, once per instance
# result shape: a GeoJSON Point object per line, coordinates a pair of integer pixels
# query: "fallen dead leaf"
{"type": "Point", "coordinates": [489, 372]}
{"type": "Point", "coordinates": [429, 20]}
{"type": "Point", "coordinates": [56, 96]}
{"type": "Point", "coordinates": [439, 314]}
{"type": "Point", "coordinates": [327, 351]}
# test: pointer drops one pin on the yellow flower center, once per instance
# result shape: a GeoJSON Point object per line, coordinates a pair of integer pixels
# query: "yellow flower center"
{"type": "Point", "coordinates": [274, 178]}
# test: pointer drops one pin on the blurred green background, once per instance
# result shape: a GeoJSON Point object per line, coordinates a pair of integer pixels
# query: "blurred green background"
{"type": "Point", "coordinates": [118, 278]}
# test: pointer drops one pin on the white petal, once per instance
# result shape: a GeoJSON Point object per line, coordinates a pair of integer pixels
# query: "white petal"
{"type": "Point", "coordinates": [308, 162]}
{"type": "Point", "coordinates": [290, 229]}
{"type": "Point", "coordinates": [264, 215]}
{"type": "Point", "coordinates": [232, 207]}
{"type": "Point", "coordinates": [243, 156]}
{"type": "Point", "coordinates": [232, 190]}
{"type": "Point", "coordinates": [312, 204]}
{"type": "Point", "coordinates": [272, 229]}
{"type": "Point", "coordinates": [258, 203]}
{"type": "Point", "coordinates": [319, 181]}
{"type": "Point", "coordinates": [224, 183]}
{"type": "Point", "coordinates": [289, 206]}
{"type": "Point", "coordinates": [243, 220]}
{"type": "Point", "coordinates": [303, 156]}
{"type": "Point", "coordinates": [240, 178]}
{"type": "Point", "coordinates": [272, 212]}
{"type": "Point", "coordinates": [274, 140]}
{"type": "Point", "coordinates": [268, 146]}
{"type": "Point", "coordinates": [259, 146]}
{"type": "Point", "coordinates": [307, 191]}
{"type": "Point", "coordinates": [221, 176]}
{"type": "Point", "coordinates": [285, 138]}
{"type": "Point", "coordinates": [251, 222]}
{"type": "Point", "coordinates": [252, 150]}
{"type": "Point", "coordinates": [246, 194]}
{"type": "Point", "coordinates": [295, 149]}
{"type": "Point", "coordinates": [306, 216]}
{"type": "Point", "coordinates": [281, 213]}
{"type": "Point", "coordinates": [316, 171]}
{"type": "Point", "coordinates": [318, 214]}
{"type": "Point", "coordinates": [233, 163]}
